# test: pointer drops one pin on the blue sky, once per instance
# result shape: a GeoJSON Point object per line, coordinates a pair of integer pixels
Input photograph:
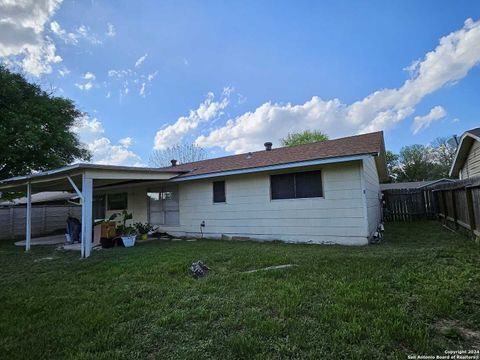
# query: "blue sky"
{"type": "Point", "coordinates": [232, 75]}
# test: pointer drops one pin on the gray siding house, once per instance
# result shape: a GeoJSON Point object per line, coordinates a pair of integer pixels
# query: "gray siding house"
{"type": "Point", "coordinates": [325, 192]}
{"type": "Point", "coordinates": [467, 158]}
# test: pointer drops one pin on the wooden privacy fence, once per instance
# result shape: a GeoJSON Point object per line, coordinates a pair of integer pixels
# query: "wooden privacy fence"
{"type": "Point", "coordinates": [409, 204]}
{"type": "Point", "coordinates": [45, 219]}
{"type": "Point", "coordinates": [459, 204]}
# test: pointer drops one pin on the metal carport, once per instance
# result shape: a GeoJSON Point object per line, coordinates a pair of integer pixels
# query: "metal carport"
{"type": "Point", "coordinates": [84, 179]}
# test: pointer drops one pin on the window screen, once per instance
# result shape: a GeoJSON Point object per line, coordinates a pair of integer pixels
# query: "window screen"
{"type": "Point", "coordinates": [219, 191]}
{"type": "Point", "coordinates": [308, 184]}
{"type": "Point", "coordinates": [117, 201]}
{"type": "Point", "coordinates": [296, 185]}
{"type": "Point", "coordinates": [283, 186]}
{"type": "Point", "coordinates": [98, 207]}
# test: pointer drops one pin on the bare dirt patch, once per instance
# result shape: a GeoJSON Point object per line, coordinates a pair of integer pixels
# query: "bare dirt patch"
{"type": "Point", "coordinates": [454, 328]}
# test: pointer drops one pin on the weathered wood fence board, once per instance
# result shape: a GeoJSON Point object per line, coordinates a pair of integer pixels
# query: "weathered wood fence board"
{"type": "Point", "coordinates": [457, 204]}
{"type": "Point", "coordinates": [45, 219]}
{"type": "Point", "coordinates": [409, 204]}
{"type": "Point", "coordinates": [460, 204]}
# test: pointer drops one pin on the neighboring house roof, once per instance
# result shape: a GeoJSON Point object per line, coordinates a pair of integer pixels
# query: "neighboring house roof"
{"type": "Point", "coordinates": [466, 141]}
{"type": "Point", "coordinates": [366, 144]}
{"type": "Point", "coordinates": [42, 198]}
{"type": "Point", "coordinates": [413, 184]}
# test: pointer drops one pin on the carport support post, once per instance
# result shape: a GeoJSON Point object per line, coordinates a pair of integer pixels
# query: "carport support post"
{"type": "Point", "coordinates": [28, 236]}
{"type": "Point", "coordinates": [87, 224]}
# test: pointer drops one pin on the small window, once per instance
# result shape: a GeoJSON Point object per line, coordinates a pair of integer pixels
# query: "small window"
{"type": "Point", "coordinates": [219, 192]}
{"type": "Point", "coordinates": [296, 185]}
{"type": "Point", "coordinates": [117, 201]}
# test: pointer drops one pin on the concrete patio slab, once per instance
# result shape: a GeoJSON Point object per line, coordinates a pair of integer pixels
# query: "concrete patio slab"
{"type": "Point", "coordinates": [45, 240]}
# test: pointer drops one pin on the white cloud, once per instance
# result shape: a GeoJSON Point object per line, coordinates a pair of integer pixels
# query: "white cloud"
{"type": "Point", "coordinates": [88, 84]}
{"type": "Point", "coordinates": [22, 39]}
{"type": "Point", "coordinates": [89, 76]}
{"type": "Point", "coordinates": [91, 133]}
{"type": "Point", "coordinates": [140, 60]}
{"type": "Point", "coordinates": [68, 38]}
{"type": "Point", "coordinates": [105, 152]}
{"type": "Point", "coordinates": [206, 111]}
{"type": "Point", "coordinates": [152, 76]}
{"type": "Point", "coordinates": [88, 129]}
{"type": "Point", "coordinates": [142, 90]}
{"type": "Point", "coordinates": [423, 122]}
{"type": "Point", "coordinates": [455, 120]}
{"type": "Point", "coordinates": [128, 141]}
{"type": "Point", "coordinates": [451, 60]}
{"type": "Point", "coordinates": [110, 30]}
{"type": "Point", "coordinates": [85, 33]}
{"type": "Point", "coordinates": [63, 71]}
{"type": "Point", "coordinates": [128, 79]}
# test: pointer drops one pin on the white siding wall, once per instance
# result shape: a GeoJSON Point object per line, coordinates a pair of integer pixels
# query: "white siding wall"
{"type": "Point", "coordinates": [472, 163]}
{"type": "Point", "coordinates": [372, 194]}
{"type": "Point", "coordinates": [137, 204]}
{"type": "Point", "coordinates": [338, 217]}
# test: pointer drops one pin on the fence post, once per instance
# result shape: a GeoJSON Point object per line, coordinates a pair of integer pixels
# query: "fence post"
{"type": "Point", "coordinates": [11, 228]}
{"type": "Point", "coordinates": [445, 212]}
{"type": "Point", "coordinates": [44, 219]}
{"type": "Point", "coordinates": [454, 208]}
{"type": "Point", "coordinates": [471, 210]}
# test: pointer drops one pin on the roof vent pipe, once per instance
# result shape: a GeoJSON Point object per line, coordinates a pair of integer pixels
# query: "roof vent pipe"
{"type": "Point", "coordinates": [174, 162]}
{"type": "Point", "coordinates": [268, 146]}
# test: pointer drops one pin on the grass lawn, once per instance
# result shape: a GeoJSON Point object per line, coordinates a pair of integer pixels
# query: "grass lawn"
{"type": "Point", "coordinates": [416, 293]}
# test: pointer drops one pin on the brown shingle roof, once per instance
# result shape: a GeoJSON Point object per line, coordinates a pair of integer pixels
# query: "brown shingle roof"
{"type": "Point", "coordinates": [371, 143]}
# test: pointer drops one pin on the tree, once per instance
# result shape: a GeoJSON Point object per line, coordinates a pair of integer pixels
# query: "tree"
{"type": "Point", "coordinates": [183, 153]}
{"type": "Point", "coordinates": [420, 162]}
{"type": "Point", "coordinates": [35, 128]}
{"type": "Point", "coordinates": [392, 164]}
{"type": "Point", "coordinates": [444, 154]}
{"type": "Point", "coordinates": [415, 164]}
{"type": "Point", "coordinates": [305, 137]}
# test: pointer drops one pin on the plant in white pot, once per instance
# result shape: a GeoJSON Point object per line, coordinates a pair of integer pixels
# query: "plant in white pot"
{"type": "Point", "coordinates": [127, 233]}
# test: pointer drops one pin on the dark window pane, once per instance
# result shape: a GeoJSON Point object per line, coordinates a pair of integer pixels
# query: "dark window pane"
{"type": "Point", "coordinates": [98, 207]}
{"type": "Point", "coordinates": [308, 184]}
{"type": "Point", "coordinates": [283, 186]}
{"type": "Point", "coordinates": [219, 191]}
{"type": "Point", "coordinates": [117, 201]}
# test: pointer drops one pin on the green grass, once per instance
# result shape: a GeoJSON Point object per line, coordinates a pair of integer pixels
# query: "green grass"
{"type": "Point", "coordinates": [417, 292]}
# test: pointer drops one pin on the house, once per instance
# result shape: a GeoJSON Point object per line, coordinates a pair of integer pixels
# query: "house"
{"type": "Point", "coordinates": [466, 163]}
{"type": "Point", "coordinates": [325, 192]}
{"type": "Point", "coordinates": [45, 198]}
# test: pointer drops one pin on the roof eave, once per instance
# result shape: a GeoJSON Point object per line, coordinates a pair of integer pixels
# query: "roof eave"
{"type": "Point", "coordinates": [297, 164]}
{"type": "Point", "coordinates": [457, 160]}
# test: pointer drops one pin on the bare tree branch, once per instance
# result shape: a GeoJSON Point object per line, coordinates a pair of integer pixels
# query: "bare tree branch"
{"type": "Point", "coordinates": [183, 153]}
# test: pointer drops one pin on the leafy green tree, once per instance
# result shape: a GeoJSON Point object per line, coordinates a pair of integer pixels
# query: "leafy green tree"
{"type": "Point", "coordinates": [35, 128]}
{"type": "Point", "coordinates": [392, 164]}
{"type": "Point", "coordinates": [420, 162]}
{"type": "Point", "coordinates": [444, 154]}
{"type": "Point", "coordinates": [305, 137]}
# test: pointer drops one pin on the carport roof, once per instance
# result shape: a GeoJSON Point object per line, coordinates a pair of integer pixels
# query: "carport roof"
{"type": "Point", "coordinates": [57, 179]}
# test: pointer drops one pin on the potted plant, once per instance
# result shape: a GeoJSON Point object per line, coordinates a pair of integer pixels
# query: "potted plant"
{"type": "Point", "coordinates": [127, 233]}
{"type": "Point", "coordinates": [143, 229]}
